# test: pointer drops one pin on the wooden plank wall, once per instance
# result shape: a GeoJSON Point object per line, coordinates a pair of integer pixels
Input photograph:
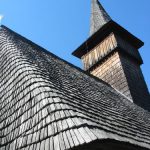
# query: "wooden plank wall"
{"type": "Point", "coordinates": [128, 48]}
{"type": "Point", "coordinates": [99, 51]}
{"type": "Point", "coordinates": [112, 72]}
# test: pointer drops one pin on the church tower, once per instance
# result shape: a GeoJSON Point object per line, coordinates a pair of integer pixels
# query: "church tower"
{"type": "Point", "coordinates": [111, 54]}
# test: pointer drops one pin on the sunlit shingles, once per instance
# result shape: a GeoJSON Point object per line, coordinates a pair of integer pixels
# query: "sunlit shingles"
{"type": "Point", "coordinates": [55, 127]}
{"type": "Point", "coordinates": [44, 112]}
{"type": "Point", "coordinates": [47, 144]}
{"type": "Point", "coordinates": [42, 134]}
{"type": "Point", "coordinates": [34, 137]}
{"type": "Point", "coordinates": [57, 99]}
{"type": "Point", "coordinates": [56, 143]}
{"type": "Point", "coordinates": [90, 133]}
{"type": "Point", "coordinates": [77, 121]}
{"type": "Point", "coordinates": [38, 146]}
{"type": "Point", "coordinates": [51, 143]}
{"type": "Point", "coordinates": [62, 114]}
{"type": "Point", "coordinates": [64, 124]}
{"type": "Point", "coordinates": [61, 141]}
{"type": "Point", "coordinates": [45, 132]}
{"type": "Point", "coordinates": [14, 145]}
{"type": "Point", "coordinates": [31, 147]}
{"type": "Point", "coordinates": [85, 135]}
{"type": "Point", "coordinates": [52, 107]}
{"type": "Point", "coordinates": [59, 126]}
{"type": "Point", "coordinates": [70, 139]}
{"type": "Point", "coordinates": [79, 137]}
{"type": "Point", "coordinates": [19, 142]}
{"type": "Point", "coordinates": [50, 130]}
{"type": "Point", "coordinates": [27, 147]}
{"type": "Point", "coordinates": [70, 122]}
{"type": "Point", "coordinates": [37, 136]}
{"type": "Point", "coordinates": [48, 119]}
{"type": "Point", "coordinates": [58, 106]}
{"type": "Point", "coordinates": [74, 137]}
{"type": "Point", "coordinates": [57, 115]}
{"type": "Point", "coordinates": [3, 148]}
{"type": "Point", "coordinates": [42, 147]}
{"type": "Point", "coordinates": [67, 145]}
{"type": "Point", "coordinates": [29, 139]}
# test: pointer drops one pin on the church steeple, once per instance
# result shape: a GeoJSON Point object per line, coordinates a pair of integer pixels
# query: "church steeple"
{"type": "Point", "coordinates": [99, 16]}
{"type": "Point", "coordinates": [111, 54]}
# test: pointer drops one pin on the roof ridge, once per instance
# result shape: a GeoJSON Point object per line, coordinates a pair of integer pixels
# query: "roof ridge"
{"type": "Point", "coordinates": [50, 53]}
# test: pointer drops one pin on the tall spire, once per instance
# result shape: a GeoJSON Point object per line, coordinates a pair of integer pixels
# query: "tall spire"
{"type": "Point", "coordinates": [99, 16]}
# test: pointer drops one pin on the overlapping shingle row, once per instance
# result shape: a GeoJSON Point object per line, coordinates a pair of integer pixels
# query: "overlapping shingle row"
{"type": "Point", "coordinates": [46, 103]}
{"type": "Point", "coordinates": [99, 17]}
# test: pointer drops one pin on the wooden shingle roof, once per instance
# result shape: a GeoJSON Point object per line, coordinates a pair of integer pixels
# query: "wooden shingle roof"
{"type": "Point", "coordinates": [99, 16]}
{"type": "Point", "coordinates": [47, 103]}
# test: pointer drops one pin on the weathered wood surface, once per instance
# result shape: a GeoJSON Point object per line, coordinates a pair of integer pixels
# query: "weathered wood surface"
{"type": "Point", "coordinates": [100, 51]}
{"type": "Point", "coordinates": [112, 72]}
{"type": "Point", "coordinates": [46, 103]}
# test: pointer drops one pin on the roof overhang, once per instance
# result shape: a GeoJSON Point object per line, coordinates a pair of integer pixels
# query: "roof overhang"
{"type": "Point", "coordinates": [108, 28]}
{"type": "Point", "coordinates": [109, 144]}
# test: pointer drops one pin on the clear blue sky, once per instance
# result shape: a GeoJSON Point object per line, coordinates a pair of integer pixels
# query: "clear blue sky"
{"type": "Point", "coordinates": [61, 26]}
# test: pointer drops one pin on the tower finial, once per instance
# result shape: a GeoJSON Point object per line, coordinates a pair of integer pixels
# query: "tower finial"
{"type": "Point", "coordinates": [99, 16]}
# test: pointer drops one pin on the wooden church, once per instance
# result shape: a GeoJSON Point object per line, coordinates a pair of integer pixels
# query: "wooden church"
{"type": "Point", "coordinates": [47, 103]}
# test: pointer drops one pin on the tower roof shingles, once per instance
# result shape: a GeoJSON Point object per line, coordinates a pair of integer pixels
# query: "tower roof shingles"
{"type": "Point", "coordinates": [99, 16]}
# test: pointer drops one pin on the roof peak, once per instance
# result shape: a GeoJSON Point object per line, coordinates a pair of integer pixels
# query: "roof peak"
{"type": "Point", "coordinates": [99, 16]}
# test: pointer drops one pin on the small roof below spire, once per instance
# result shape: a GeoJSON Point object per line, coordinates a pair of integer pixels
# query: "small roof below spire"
{"type": "Point", "coordinates": [99, 16]}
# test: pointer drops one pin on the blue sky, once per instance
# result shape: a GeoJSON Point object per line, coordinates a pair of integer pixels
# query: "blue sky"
{"type": "Point", "coordinates": [61, 26]}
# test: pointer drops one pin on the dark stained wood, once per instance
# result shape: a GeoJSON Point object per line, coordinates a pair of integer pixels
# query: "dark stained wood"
{"type": "Point", "coordinates": [109, 145]}
{"type": "Point", "coordinates": [108, 28]}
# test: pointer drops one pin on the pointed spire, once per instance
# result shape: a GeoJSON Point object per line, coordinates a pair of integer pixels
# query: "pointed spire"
{"type": "Point", "coordinates": [99, 16]}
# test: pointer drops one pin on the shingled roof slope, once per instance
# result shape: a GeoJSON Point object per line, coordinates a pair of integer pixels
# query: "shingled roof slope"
{"type": "Point", "coordinates": [99, 16]}
{"type": "Point", "coordinates": [47, 103]}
